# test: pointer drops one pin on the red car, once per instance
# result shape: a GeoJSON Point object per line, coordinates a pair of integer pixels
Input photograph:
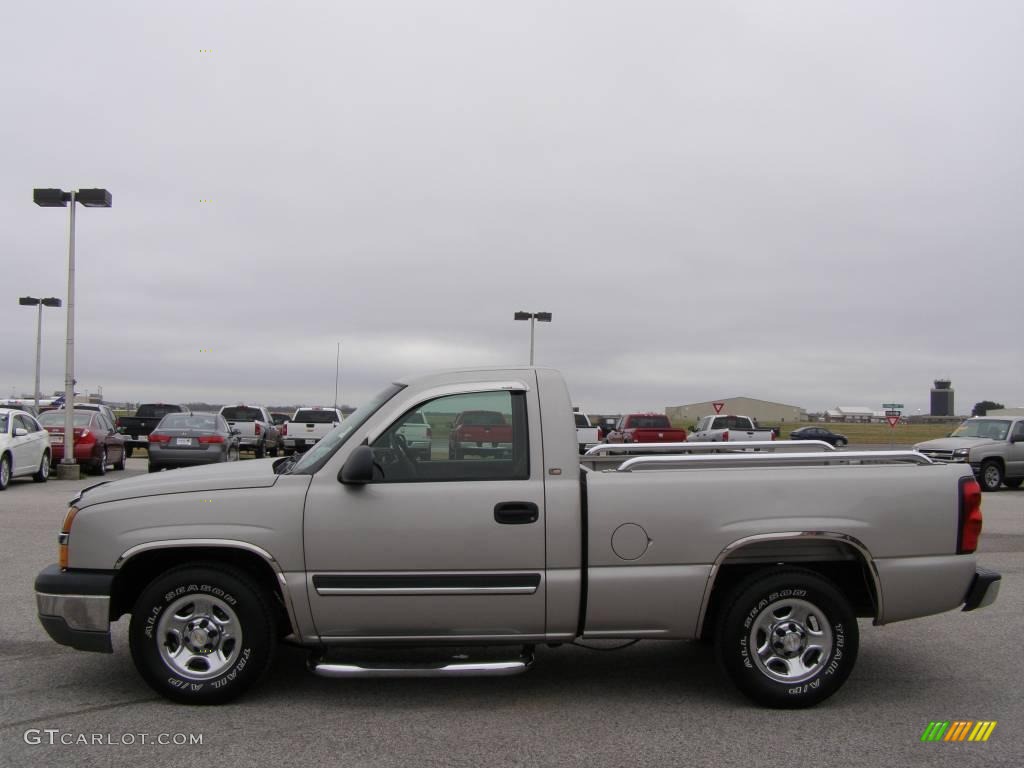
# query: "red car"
{"type": "Point", "coordinates": [97, 443]}
{"type": "Point", "coordinates": [482, 433]}
{"type": "Point", "coordinates": [646, 428]}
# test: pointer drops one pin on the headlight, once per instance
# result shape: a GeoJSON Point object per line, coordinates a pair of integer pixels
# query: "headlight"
{"type": "Point", "coordinates": [961, 453]}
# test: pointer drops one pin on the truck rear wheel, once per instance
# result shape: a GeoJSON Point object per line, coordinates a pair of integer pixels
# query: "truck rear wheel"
{"type": "Point", "coordinates": [991, 476]}
{"type": "Point", "coordinates": [258, 451]}
{"type": "Point", "coordinates": [202, 633]}
{"type": "Point", "coordinates": [787, 638]}
{"type": "Point", "coordinates": [1014, 483]}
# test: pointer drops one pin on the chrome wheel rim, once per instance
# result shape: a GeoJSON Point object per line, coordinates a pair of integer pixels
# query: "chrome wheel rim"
{"type": "Point", "coordinates": [5, 472]}
{"type": "Point", "coordinates": [200, 637]}
{"type": "Point", "coordinates": [992, 476]}
{"type": "Point", "coordinates": [44, 468]}
{"type": "Point", "coordinates": [791, 641]}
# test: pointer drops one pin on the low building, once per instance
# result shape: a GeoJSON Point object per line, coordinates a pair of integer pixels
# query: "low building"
{"type": "Point", "coordinates": [764, 411]}
{"type": "Point", "coordinates": [849, 414]}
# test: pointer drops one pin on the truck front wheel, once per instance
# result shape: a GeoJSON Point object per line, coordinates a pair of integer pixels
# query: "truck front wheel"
{"type": "Point", "coordinates": [991, 476]}
{"type": "Point", "coordinates": [202, 633]}
{"type": "Point", "coordinates": [787, 638]}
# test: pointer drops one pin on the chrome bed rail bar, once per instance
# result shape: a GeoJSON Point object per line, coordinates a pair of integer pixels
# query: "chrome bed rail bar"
{"type": "Point", "coordinates": [739, 459]}
{"type": "Point", "coordinates": [785, 445]}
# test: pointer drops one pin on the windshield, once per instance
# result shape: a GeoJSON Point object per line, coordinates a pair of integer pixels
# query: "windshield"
{"type": "Point", "coordinates": [56, 418]}
{"type": "Point", "coordinates": [196, 421]}
{"type": "Point", "coordinates": [310, 416]}
{"type": "Point", "coordinates": [318, 455]}
{"type": "Point", "coordinates": [649, 422]}
{"type": "Point", "coordinates": [581, 420]}
{"type": "Point", "coordinates": [994, 429]}
{"type": "Point", "coordinates": [242, 413]}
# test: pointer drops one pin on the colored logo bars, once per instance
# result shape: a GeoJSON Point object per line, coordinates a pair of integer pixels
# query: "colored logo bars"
{"type": "Point", "coordinates": [959, 730]}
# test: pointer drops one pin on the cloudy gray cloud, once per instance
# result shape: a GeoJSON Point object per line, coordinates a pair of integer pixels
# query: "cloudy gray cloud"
{"type": "Point", "coordinates": [806, 202]}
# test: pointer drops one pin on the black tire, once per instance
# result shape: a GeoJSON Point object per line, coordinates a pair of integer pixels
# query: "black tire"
{"type": "Point", "coordinates": [259, 451]}
{"type": "Point", "coordinates": [100, 467]}
{"type": "Point", "coordinates": [128, 451]}
{"type": "Point", "coordinates": [1014, 483]}
{"type": "Point", "coordinates": [221, 669]}
{"type": "Point", "coordinates": [154, 468]}
{"type": "Point", "coordinates": [273, 451]}
{"type": "Point", "coordinates": [43, 473]}
{"type": "Point", "coordinates": [797, 606]}
{"type": "Point", "coordinates": [120, 465]}
{"type": "Point", "coordinates": [5, 471]}
{"type": "Point", "coordinates": [991, 478]}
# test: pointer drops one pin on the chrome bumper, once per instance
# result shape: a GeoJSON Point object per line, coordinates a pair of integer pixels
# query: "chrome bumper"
{"type": "Point", "coordinates": [69, 614]}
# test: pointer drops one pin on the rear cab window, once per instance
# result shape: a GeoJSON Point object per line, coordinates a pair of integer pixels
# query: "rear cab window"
{"type": "Point", "coordinates": [242, 413]}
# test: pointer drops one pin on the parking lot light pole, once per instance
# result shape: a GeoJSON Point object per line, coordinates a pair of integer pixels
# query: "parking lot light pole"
{"type": "Point", "coordinates": [32, 301]}
{"type": "Point", "coordinates": [544, 317]}
{"type": "Point", "coordinates": [58, 198]}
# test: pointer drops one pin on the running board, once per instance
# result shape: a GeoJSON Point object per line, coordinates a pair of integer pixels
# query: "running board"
{"type": "Point", "coordinates": [440, 669]}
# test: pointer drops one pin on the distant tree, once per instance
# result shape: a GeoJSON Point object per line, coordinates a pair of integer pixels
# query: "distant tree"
{"type": "Point", "coordinates": [980, 409]}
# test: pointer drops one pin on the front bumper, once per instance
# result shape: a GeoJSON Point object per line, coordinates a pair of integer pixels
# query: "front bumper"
{"type": "Point", "coordinates": [984, 589]}
{"type": "Point", "coordinates": [74, 607]}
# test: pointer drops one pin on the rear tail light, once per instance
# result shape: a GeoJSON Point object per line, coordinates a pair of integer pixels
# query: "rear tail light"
{"type": "Point", "coordinates": [257, 427]}
{"type": "Point", "coordinates": [84, 436]}
{"type": "Point", "coordinates": [725, 436]}
{"type": "Point", "coordinates": [284, 429]}
{"type": "Point", "coordinates": [430, 432]}
{"type": "Point", "coordinates": [204, 439]}
{"type": "Point", "coordinates": [156, 437]}
{"type": "Point", "coordinates": [970, 516]}
{"type": "Point", "coordinates": [774, 434]}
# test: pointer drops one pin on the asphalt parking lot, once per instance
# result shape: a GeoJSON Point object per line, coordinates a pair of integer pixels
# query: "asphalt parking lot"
{"type": "Point", "coordinates": [656, 703]}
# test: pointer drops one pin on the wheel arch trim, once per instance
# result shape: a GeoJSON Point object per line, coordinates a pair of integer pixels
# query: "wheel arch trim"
{"type": "Point", "coordinates": [842, 538]}
{"type": "Point", "coordinates": [245, 546]}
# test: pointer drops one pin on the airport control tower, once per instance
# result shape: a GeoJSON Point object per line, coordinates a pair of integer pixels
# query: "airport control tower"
{"type": "Point", "coordinates": [942, 398]}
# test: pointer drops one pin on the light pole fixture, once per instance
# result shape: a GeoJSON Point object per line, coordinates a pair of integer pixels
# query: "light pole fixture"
{"type": "Point", "coordinates": [32, 301]}
{"type": "Point", "coordinates": [543, 317]}
{"type": "Point", "coordinates": [58, 198]}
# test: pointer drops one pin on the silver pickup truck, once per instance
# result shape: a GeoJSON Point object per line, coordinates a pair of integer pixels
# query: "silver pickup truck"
{"type": "Point", "coordinates": [992, 446]}
{"type": "Point", "coordinates": [771, 555]}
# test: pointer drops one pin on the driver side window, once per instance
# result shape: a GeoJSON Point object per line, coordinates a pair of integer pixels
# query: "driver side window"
{"type": "Point", "coordinates": [475, 436]}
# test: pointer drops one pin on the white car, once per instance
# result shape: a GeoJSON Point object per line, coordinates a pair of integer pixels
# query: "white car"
{"type": "Point", "coordinates": [24, 447]}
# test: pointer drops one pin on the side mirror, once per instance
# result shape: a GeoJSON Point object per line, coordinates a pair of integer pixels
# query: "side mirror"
{"type": "Point", "coordinates": [358, 469]}
{"type": "Point", "coordinates": [20, 431]}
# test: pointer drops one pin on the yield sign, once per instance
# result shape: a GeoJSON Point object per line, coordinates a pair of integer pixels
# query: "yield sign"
{"type": "Point", "coordinates": [893, 420]}
{"type": "Point", "coordinates": [718, 407]}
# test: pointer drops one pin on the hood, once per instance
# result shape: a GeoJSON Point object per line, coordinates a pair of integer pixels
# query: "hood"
{"type": "Point", "coordinates": [258, 473]}
{"type": "Point", "coordinates": [952, 443]}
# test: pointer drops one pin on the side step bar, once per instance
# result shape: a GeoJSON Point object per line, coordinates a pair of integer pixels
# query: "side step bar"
{"type": "Point", "coordinates": [440, 669]}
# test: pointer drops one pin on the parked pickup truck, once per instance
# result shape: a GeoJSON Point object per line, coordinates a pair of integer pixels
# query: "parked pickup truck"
{"type": "Point", "coordinates": [256, 429]}
{"type": "Point", "coordinates": [307, 426]}
{"type": "Point", "coordinates": [357, 543]}
{"type": "Point", "coordinates": [993, 446]}
{"type": "Point", "coordinates": [722, 428]}
{"type": "Point", "coordinates": [646, 428]}
{"type": "Point", "coordinates": [587, 435]}
{"type": "Point", "coordinates": [137, 428]}
{"type": "Point", "coordinates": [479, 433]}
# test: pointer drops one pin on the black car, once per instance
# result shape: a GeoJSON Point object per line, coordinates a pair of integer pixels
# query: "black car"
{"type": "Point", "coordinates": [819, 433]}
{"type": "Point", "coordinates": [191, 439]}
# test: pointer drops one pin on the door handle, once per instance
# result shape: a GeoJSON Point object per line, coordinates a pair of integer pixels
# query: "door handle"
{"type": "Point", "coordinates": [516, 512]}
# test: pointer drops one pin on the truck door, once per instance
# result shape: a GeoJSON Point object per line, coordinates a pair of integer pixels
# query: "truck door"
{"type": "Point", "coordinates": [440, 545]}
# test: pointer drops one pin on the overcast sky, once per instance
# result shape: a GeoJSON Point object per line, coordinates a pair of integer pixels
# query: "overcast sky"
{"type": "Point", "coordinates": [814, 203]}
